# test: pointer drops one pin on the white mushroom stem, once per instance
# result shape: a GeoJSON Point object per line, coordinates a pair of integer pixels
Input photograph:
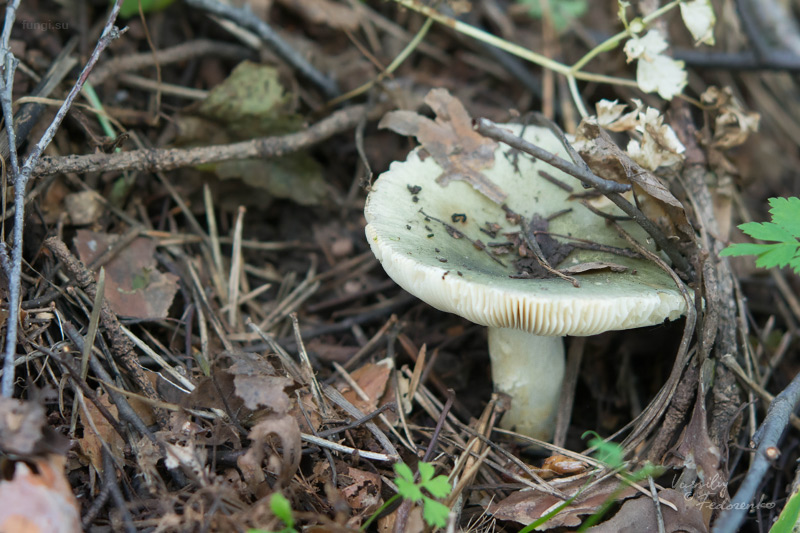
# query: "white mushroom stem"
{"type": "Point", "coordinates": [530, 369]}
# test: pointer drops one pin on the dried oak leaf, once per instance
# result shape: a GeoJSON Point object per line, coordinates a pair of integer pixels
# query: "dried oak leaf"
{"type": "Point", "coordinates": [134, 286]}
{"type": "Point", "coordinates": [38, 498]}
{"type": "Point", "coordinates": [452, 142]}
{"type": "Point", "coordinates": [639, 514]}
{"type": "Point", "coordinates": [526, 506]}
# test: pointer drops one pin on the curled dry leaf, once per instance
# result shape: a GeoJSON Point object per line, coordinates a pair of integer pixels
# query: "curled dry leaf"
{"type": "Point", "coordinates": [285, 429]}
{"type": "Point", "coordinates": [610, 117]}
{"type": "Point", "coordinates": [610, 162]}
{"type": "Point", "coordinates": [562, 465]}
{"type": "Point", "coordinates": [38, 499]}
{"type": "Point", "coordinates": [732, 123]}
{"type": "Point", "coordinates": [451, 141]}
{"type": "Point", "coordinates": [700, 460]}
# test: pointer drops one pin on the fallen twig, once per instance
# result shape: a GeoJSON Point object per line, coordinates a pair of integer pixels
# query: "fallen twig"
{"type": "Point", "coordinates": [766, 441]}
{"type": "Point", "coordinates": [121, 345]}
{"type": "Point", "coordinates": [156, 160]}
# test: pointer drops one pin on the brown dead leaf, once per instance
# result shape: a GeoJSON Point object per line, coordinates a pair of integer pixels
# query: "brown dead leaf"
{"type": "Point", "coordinates": [610, 162]}
{"type": "Point", "coordinates": [452, 142]}
{"type": "Point", "coordinates": [526, 506]}
{"type": "Point", "coordinates": [639, 515]}
{"type": "Point", "coordinates": [134, 286]}
{"type": "Point", "coordinates": [258, 385]}
{"type": "Point", "coordinates": [364, 493]}
{"type": "Point", "coordinates": [371, 379]}
{"type": "Point", "coordinates": [700, 458]}
{"type": "Point", "coordinates": [284, 428]}
{"type": "Point", "coordinates": [38, 498]}
{"type": "Point", "coordinates": [654, 199]}
{"type": "Point", "coordinates": [732, 123]}
{"type": "Point", "coordinates": [91, 443]}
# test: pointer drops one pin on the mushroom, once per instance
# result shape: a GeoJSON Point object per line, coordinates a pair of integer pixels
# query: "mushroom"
{"type": "Point", "coordinates": [436, 242]}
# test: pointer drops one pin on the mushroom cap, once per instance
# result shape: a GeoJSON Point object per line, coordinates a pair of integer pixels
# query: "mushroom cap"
{"type": "Point", "coordinates": [451, 274]}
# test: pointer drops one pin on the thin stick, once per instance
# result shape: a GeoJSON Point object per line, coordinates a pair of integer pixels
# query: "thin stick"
{"type": "Point", "coordinates": [155, 160]}
{"type": "Point", "coordinates": [236, 268]}
{"type": "Point", "coordinates": [323, 443]}
{"type": "Point", "coordinates": [23, 174]}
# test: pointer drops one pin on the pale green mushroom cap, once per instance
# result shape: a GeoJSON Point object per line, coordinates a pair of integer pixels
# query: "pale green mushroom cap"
{"type": "Point", "coordinates": [460, 279]}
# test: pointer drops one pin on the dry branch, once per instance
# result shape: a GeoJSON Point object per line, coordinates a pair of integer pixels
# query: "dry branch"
{"type": "Point", "coordinates": [158, 160]}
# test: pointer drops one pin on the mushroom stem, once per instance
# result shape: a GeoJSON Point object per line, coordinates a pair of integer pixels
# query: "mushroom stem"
{"type": "Point", "coordinates": [530, 369]}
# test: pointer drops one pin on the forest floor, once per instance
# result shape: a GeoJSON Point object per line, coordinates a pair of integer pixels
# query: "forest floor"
{"type": "Point", "coordinates": [248, 364]}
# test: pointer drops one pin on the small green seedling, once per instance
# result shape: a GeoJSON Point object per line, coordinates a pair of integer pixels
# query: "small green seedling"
{"type": "Point", "coordinates": [784, 230]}
{"type": "Point", "coordinates": [433, 512]}
{"type": "Point", "coordinates": [282, 509]}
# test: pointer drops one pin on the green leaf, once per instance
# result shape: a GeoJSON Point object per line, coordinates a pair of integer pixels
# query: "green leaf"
{"type": "Point", "coordinates": [789, 517]}
{"type": "Point", "coordinates": [778, 255]}
{"type": "Point", "coordinates": [426, 472]}
{"type": "Point", "coordinates": [609, 453]}
{"type": "Point", "coordinates": [408, 490]}
{"type": "Point", "coordinates": [404, 472]}
{"type": "Point", "coordinates": [767, 231]}
{"type": "Point", "coordinates": [745, 248]}
{"type": "Point", "coordinates": [786, 213]}
{"type": "Point", "coordinates": [434, 513]}
{"type": "Point", "coordinates": [439, 486]}
{"type": "Point", "coordinates": [282, 509]}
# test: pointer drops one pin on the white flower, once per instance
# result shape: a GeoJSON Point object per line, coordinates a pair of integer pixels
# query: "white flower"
{"type": "Point", "coordinates": [655, 72]}
{"type": "Point", "coordinates": [699, 18]}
